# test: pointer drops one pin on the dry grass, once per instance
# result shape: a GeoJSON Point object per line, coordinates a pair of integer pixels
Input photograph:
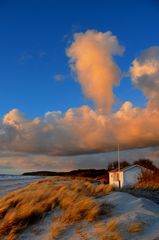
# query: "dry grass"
{"type": "Point", "coordinates": [78, 203]}
{"type": "Point", "coordinates": [76, 200]}
{"type": "Point", "coordinates": [82, 234]}
{"type": "Point", "coordinates": [148, 180]}
{"type": "Point", "coordinates": [108, 231]}
{"type": "Point", "coordinates": [23, 207]}
{"type": "Point", "coordinates": [58, 229]}
{"type": "Point", "coordinates": [91, 189]}
{"type": "Point", "coordinates": [136, 227]}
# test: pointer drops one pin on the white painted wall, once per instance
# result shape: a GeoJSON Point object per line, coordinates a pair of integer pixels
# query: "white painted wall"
{"type": "Point", "coordinates": [116, 183]}
{"type": "Point", "coordinates": [131, 176]}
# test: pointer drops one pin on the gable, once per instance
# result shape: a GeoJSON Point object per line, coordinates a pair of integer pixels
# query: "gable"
{"type": "Point", "coordinates": [136, 166]}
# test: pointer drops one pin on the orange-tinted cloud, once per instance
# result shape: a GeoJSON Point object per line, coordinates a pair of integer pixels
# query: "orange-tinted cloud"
{"type": "Point", "coordinates": [83, 130]}
{"type": "Point", "coordinates": [80, 131]}
{"type": "Point", "coordinates": [91, 58]}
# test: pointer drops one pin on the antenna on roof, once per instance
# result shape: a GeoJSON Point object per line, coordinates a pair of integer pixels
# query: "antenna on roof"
{"type": "Point", "coordinates": [118, 159]}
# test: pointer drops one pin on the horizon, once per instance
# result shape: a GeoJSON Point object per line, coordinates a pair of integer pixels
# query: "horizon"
{"type": "Point", "coordinates": [82, 169]}
{"type": "Point", "coordinates": [78, 78]}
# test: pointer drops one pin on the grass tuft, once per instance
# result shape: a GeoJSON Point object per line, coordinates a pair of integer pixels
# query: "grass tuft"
{"type": "Point", "coordinates": [108, 231]}
{"type": "Point", "coordinates": [136, 227]}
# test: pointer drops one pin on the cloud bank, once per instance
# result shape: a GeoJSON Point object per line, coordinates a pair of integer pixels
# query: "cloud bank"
{"type": "Point", "coordinates": [83, 130]}
{"type": "Point", "coordinates": [80, 131]}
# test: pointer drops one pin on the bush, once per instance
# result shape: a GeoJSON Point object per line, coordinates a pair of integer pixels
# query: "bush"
{"type": "Point", "coordinates": [148, 180]}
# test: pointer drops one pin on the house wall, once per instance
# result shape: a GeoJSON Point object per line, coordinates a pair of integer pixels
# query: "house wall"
{"type": "Point", "coordinates": [114, 182]}
{"type": "Point", "coordinates": [131, 176]}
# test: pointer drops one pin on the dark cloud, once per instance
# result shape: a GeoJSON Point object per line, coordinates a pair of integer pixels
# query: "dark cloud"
{"type": "Point", "coordinates": [145, 74]}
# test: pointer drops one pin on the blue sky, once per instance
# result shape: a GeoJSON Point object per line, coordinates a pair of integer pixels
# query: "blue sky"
{"type": "Point", "coordinates": [35, 34]}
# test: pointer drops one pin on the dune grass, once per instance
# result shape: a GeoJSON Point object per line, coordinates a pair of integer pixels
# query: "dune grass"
{"type": "Point", "coordinates": [77, 204]}
{"type": "Point", "coordinates": [136, 227]}
{"type": "Point", "coordinates": [108, 231]}
{"type": "Point", "coordinates": [148, 180]}
{"type": "Point", "coordinates": [24, 207]}
{"type": "Point", "coordinates": [75, 198]}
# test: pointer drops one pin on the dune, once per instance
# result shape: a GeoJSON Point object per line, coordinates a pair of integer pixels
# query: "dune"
{"type": "Point", "coordinates": [62, 208]}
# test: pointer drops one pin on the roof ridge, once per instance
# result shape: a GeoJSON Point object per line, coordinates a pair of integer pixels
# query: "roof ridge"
{"type": "Point", "coordinates": [125, 168]}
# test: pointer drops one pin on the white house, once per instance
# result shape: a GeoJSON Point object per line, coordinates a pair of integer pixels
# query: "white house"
{"type": "Point", "coordinates": [126, 176]}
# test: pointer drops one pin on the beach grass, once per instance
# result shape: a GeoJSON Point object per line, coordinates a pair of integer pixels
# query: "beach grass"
{"type": "Point", "coordinates": [75, 198]}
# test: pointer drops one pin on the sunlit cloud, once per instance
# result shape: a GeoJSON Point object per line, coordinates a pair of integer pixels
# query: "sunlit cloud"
{"type": "Point", "coordinates": [66, 139]}
{"type": "Point", "coordinates": [91, 58]}
{"type": "Point", "coordinates": [80, 131]}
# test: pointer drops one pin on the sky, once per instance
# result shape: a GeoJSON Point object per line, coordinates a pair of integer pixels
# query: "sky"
{"type": "Point", "coordinates": [77, 78]}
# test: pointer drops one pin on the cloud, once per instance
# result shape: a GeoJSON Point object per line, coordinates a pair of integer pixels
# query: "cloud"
{"type": "Point", "coordinates": [14, 162]}
{"type": "Point", "coordinates": [91, 58]}
{"type": "Point", "coordinates": [80, 131]}
{"type": "Point", "coordinates": [84, 130]}
{"type": "Point", "coordinates": [70, 139]}
{"type": "Point", "coordinates": [14, 118]}
{"type": "Point", "coordinates": [145, 74]}
{"type": "Point", "coordinates": [59, 77]}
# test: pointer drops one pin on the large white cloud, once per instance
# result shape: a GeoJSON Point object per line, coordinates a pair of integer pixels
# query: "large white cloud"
{"type": "Point", "coordinates": [91, 58]}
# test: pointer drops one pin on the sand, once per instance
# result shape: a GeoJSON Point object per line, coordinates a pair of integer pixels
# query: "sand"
{"type": "Point", "coordinates": [127, 210]}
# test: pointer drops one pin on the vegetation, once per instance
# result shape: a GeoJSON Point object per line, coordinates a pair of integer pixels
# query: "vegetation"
{"type": "Point", "coordinates": [108, 231]}
{"type": "Point", "coordinates": [147, 164]}
{"type": "Point", "coordinates": [90, 173]}
{"type": "Point", "coordinates": [148, 180]}
{"type": "Point", "coordinates": [114, 165]}
{"type": "Point", "coordinates": [136, 227]}
{"type": "Point", "coordinates": [96, 174]}
{"type": "Point", "coordinates": [76, 200]}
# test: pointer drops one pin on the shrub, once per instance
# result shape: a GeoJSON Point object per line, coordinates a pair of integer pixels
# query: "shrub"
{"type": "Point", "coordinates": [148, 180]}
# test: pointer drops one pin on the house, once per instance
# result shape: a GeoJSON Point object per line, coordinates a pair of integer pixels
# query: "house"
{"type": "Point", "coordinates": [126, 176]}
